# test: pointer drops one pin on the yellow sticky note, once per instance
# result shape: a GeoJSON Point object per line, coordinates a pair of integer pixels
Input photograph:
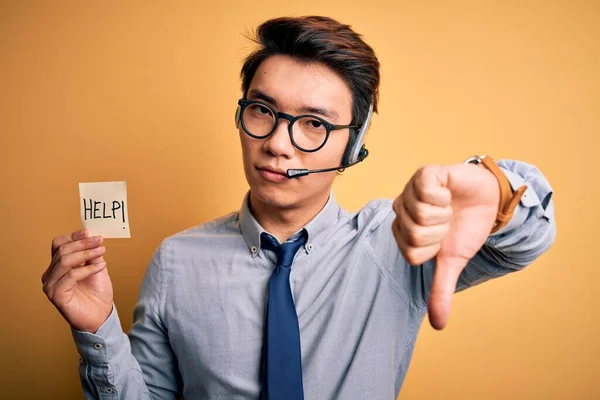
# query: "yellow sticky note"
{"type": "Point", "coordinates": [104, 208]}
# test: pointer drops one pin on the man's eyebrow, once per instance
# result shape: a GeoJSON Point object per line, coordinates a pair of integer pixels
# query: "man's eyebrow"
{"type": "Point", "coordinates": [331, 115]}
{"type": "Point", "coordinates": [327, 113]}
{"type": "Point", "coordinates": [257, 94]}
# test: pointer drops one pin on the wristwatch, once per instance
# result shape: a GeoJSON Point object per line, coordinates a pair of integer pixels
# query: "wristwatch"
{"type": "Point", "coordinates": [509, 198]}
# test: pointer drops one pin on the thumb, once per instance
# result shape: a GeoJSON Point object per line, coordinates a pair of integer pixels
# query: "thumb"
{"type": "Point", "coordinates": [447, 271]}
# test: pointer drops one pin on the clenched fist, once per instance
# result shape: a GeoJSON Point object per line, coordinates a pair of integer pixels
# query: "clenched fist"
{"type": "Point", "coordinates": [446, 213]}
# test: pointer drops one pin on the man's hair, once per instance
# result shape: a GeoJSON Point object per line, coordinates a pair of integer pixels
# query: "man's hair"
{"type": "Point", "coordinates": [324, 40]}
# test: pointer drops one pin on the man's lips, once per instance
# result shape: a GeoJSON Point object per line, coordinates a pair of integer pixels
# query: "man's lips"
{"type": "Point", "coordinates": [271, 174]}
{"type": "Point", "coordinates": [273, 170]}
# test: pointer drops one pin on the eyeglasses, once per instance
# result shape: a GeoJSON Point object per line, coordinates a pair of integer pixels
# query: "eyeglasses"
{"type": "Point", "coordinates": [308, 133]}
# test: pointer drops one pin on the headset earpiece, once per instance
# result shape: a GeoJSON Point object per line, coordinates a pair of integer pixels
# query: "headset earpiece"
{"type": "Point", "coordinates": [363, 153]}
{"type": "Point", "coordinates": [349, 147]}
{"type": "Point", "coordinates": [237, 117]}
{"type": "Point", "coordinates": [356, 150]}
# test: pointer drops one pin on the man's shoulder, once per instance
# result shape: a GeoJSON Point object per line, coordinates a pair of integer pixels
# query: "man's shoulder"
{"type": "Point", "coordinates": [196, 249]}
{"type": "Point", "coordinates": [377, 205]}
{"type": "Point", "coordinates": [206, 233]}
{"type": "Point", "coordinates": [373, 213]}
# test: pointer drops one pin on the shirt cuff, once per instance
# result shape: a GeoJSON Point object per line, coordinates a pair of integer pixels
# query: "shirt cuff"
{"type": "Point", "coordinates": [100, 347]}
{"type": "Point", "coordinates": [528, 200]}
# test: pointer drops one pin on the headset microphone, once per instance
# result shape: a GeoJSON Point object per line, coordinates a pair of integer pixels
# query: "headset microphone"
{"type": "Point", "coordinates": [296, 173]}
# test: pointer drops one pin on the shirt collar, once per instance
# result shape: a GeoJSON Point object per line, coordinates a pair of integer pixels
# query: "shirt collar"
{"type": "Point", "coordinates": [325, 219]}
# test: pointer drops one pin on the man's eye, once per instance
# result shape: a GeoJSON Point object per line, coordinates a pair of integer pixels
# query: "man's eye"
{"type": "Point", "coordinates": [262, 110]}
{"type": "Point", "coordinates": [316, 124]}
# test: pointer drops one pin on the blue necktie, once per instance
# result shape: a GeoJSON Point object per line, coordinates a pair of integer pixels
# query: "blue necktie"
{"type": "Point", "coordinates": [281, 365]}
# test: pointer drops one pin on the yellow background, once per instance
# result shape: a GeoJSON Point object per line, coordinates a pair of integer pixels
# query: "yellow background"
{"type": "Point", "coordinates": [146, 92]}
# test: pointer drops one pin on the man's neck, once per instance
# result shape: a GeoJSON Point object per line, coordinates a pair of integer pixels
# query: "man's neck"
{"type": "Point", "coordinates": [284, 222]}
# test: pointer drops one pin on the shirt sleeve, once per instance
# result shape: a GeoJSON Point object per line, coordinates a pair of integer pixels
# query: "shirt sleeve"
{"type": "Point", "coordinates": [138, 365]}
{"type": "Point", "coordinates": [530, 232]}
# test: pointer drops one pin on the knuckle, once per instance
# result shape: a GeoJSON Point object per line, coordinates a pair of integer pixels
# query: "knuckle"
{"type": "Point", "coordinates": [49, 291]}
{"type": "Point", "coordinates": [421, 214]}
{"type": "Point", "coordinates": [72, 274]}
{"type": "Point", "coordinates": [396, 205]}
{"type": "Point", "coordinates": [414, 237]}
{"type": "Point", "coordinates": [423, 169]}
{"type": "Point", "coordinates": [421, 189]}
{"type": "Point", "coordinates": [395, 230]}
{"type": "Point", "coordinates": [412, 256]}
{"type": "Point", "coordinates": [418, 177]}
{"type": "Point", "coordinates": [61, 261]}
{"type": "Point", "coordinates": [431, 169]}
{"type": "Point", "coordinates": [426, 192]}
{"type": "Point", "coordinates": [399, 239]}
{"type": "Point", "coordinates": [61, 252]}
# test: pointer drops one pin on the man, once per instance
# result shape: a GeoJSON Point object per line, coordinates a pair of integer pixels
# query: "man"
{"type": "Point", "coordinates": [293, 297]}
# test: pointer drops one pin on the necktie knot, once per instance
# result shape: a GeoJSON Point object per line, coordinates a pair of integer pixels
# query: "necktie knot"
{"type": "Point", "coordinates": [285, 252]}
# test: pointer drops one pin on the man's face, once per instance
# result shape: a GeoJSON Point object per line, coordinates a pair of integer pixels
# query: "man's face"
{"type": "Point", "coordinates": [295, 88]}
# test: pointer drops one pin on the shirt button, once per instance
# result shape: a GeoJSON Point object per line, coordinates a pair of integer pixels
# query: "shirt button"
{"type": "Point", "coordinates": [108, 390]}
{"type": "Point", "coordinates": [254, 249]}
{"type": "Point", "coordinates": [309, 247]}
{"type": "Point", "coordinates": [97, 346]}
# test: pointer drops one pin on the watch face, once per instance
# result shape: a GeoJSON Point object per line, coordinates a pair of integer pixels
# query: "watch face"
{"type": "Point", "coordinates": [474, 160]}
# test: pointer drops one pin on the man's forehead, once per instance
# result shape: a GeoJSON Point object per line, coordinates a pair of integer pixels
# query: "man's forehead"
{"type": "Point", "coordinates": [289, 83]}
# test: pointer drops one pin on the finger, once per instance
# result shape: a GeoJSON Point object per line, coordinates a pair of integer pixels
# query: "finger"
{"type": "Point", "coordinates": [69, 262]}
{"type": "Point", "coordinates": [417, 235]}
{"type": "Point", "coordinates": [422, 213]}
{"type": "Point", "coordinates": [69, 248]}
{"type": "Point", "coordinates": [445, 277]}
{"type": "Point", "coordinates": [96, 260]}
{"type": "Point", "coordinates": [67, 281]}
{"type": "Point", "coordinates": [396, 232]}
{"type": "Point", "coordinates": [429, 185]}
{"type": "Point", "coordinates": [414, 255]}
{"type": "Point", "coordinates": [398, 201]}
{"type": "Point", "coordinates": [78, 245]}
{"type": "Point", "coordinates": [64, 239]}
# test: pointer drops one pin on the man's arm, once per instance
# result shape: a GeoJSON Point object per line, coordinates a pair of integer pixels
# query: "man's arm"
{"type": "Point", "coordinates": [530, 232]}
{"type": "Point", "coordinates": [140, 365]}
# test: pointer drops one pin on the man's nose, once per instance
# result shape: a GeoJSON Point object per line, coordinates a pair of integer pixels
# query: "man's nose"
{"type": "Point", "coordinates": [279, 143]}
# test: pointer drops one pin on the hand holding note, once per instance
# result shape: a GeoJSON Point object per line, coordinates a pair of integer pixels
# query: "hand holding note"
{"type": "Point", "coordinates": [77, 282]}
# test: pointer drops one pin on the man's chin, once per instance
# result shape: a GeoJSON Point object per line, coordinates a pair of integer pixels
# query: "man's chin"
{"type": "Point", "coordinates": [274, 196]}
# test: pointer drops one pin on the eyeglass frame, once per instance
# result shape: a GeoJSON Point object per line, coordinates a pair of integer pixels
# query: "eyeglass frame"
{"type": "Point", "coordinates": [243, 103]}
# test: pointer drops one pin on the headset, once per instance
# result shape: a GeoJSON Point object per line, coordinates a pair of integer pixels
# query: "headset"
{"type": "Point", "coordinates": [356, 150]}
{"type": "Point", "coordinates": [238, 116]}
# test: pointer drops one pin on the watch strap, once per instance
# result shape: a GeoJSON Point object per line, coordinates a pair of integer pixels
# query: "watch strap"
{"type": "Point", "coordinates": [509, 198]}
